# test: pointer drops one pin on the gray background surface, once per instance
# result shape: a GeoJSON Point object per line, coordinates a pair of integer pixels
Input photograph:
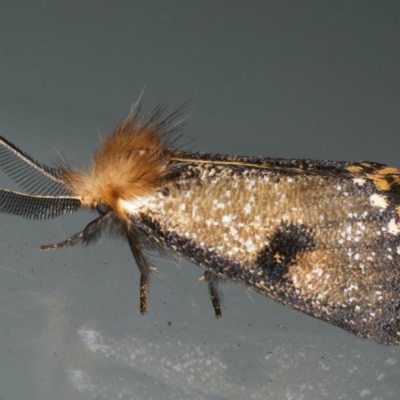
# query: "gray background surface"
{"type": "Point", "coordinates": [309, 79]}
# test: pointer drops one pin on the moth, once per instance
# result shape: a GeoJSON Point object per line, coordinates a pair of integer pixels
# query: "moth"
{"type": "Point", "coordinates": [321, 237]}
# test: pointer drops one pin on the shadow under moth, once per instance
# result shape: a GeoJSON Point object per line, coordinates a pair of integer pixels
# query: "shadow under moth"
{"type": "Point", "coordinates": [321, 237]}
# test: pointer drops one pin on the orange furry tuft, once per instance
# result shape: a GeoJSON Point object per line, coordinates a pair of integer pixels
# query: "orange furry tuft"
{"type": "Point", "coordinates": [130, 163]}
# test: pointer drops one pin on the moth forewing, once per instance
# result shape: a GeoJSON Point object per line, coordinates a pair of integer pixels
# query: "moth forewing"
{"type": "Point", "coordinates": [315, 236]}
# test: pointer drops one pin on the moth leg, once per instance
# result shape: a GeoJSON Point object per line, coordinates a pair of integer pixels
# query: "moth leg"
{"type": "Point", "coordinates": [71, 241]}
{"type": "Point", "coordinates": [213, 283]}
{"type": "Point", "coordinates": [144, 268]}
{"type": "Point", "coordinates": [90, 234]}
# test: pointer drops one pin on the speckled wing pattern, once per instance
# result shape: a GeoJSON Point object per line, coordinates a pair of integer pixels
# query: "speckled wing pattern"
{"type": "Point", "coordinates": [321, 237]}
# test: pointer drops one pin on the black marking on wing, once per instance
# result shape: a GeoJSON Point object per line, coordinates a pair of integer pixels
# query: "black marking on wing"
{"type": "Point", "coordinates": [287, 241]}
{"type": "Point", "coordinates": [36, 207]}
{"type": "Point", "coordinates": [36, 178]}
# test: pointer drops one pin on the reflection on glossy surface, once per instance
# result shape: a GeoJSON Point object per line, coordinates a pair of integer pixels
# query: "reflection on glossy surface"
{"type": "Point", "coordinates": [195, 370]}
{"type": "Point", "coordinates": [178, 361]}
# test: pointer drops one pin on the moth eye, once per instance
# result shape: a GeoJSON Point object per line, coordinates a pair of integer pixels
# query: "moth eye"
{"type": "Point", "coordinates": [165, 191]}
{"type": "Point", "coordinates": [102, 208]}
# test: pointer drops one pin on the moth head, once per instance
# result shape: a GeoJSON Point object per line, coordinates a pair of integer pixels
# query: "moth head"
{"type": "Point", "coordinates": [129, 164]}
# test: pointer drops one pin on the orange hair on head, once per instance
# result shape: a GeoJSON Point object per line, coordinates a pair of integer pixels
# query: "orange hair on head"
{"type": "Point", "coordinates": [129, 163]}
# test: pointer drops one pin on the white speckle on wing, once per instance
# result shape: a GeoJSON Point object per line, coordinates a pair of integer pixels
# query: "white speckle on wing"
{"type": "Point", "coordinates": [318, 271]}
{"type": "Point", "coordinates": [393, 227]}
{"type": "Point", "coordinates": [359, 181]}
{"type": "Point", "coordinates": [377, 200]}
{"type": "Point", "coordinates": [250, 245]}
{"type": "Point", "coordinates": [227, 219]}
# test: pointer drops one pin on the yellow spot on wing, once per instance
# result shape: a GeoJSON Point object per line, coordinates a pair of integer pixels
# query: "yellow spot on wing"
{"type": "Point", "coordinates": [354, 169]}
{"type": "Point", "coordinates": [382, 184]}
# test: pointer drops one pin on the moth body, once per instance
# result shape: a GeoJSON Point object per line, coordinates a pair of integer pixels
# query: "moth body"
{"type": "Point", "coordinates": [321, 237]}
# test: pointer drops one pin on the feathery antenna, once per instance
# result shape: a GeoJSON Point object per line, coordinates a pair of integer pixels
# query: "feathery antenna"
{"type": "Point", "coordinates": [36, 178]}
